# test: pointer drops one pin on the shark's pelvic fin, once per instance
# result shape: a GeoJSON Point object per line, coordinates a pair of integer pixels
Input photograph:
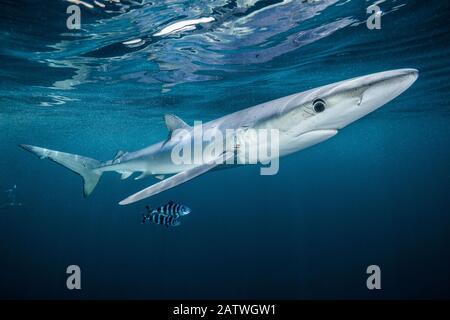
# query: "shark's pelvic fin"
{"type": "Point", "coordinates": [125, 174]}
{"type": "Point", "coordinates": [81, 165]}
{"type": "Point", "coordinates": [160, 177]}
{"type": "Point", "coordinates": [142, 176]}
{"type": "Point", "coordinates": [177, 179]}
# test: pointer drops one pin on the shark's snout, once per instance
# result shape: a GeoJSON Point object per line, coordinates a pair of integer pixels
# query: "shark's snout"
{"type": "Point", "coordinates": [400, 74]}
{"type": "Point", "coordinates": [383, 87]}
{"type": "Point", "coordinates": [350, 100]}
{"type": "Point", "coordinates": [405, 78]}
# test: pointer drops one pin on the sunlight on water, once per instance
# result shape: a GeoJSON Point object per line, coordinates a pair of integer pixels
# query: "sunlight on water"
{"type": "Point", "coordinates": [122, 42]}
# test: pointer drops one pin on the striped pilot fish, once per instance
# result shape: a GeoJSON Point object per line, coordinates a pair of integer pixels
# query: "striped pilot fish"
{"type": "Point", "coordinates": [167, 215]}
{"type": "Point", "coordinates": [162, 219]}
{"type": "Point", "coordinates": [171, 209]}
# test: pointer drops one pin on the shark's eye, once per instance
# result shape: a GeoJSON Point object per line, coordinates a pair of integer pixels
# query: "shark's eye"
{"type": "Point", "coordinates": [319, 105]}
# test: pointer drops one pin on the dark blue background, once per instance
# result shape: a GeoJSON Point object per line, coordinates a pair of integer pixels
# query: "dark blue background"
{"type": "Point", "coordinates": [377, 193]}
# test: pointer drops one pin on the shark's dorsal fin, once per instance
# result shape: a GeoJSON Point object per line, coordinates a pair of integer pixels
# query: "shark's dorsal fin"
{"type": "Point", "coordinates": [174, 123]}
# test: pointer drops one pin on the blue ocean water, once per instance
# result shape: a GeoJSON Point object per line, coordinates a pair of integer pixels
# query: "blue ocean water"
{"type": "Point", "coordinates": [377, 193]}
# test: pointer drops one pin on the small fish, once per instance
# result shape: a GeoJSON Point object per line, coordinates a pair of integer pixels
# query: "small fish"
{"type": "Point", "coordinates": [162, 219]}
{"type": "Point", "coordinates": [171, 209]}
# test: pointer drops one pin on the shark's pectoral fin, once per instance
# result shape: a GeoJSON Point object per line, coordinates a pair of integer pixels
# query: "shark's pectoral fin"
{"type": "Point", "coordinates": [177, 179]}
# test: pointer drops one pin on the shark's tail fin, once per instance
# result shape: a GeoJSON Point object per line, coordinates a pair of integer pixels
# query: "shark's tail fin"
{"type": "Point", "coordinates": [82, 165]}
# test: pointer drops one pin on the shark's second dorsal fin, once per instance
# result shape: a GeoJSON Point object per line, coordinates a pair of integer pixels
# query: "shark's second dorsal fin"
{"type": "Point", "coordinates": [174, 123]}
{"type": "Point", "coordinates": [119, 154]}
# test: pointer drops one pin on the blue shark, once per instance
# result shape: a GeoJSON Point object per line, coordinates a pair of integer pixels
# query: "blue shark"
{"type": "Point", "coordinates": [302, 120]}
